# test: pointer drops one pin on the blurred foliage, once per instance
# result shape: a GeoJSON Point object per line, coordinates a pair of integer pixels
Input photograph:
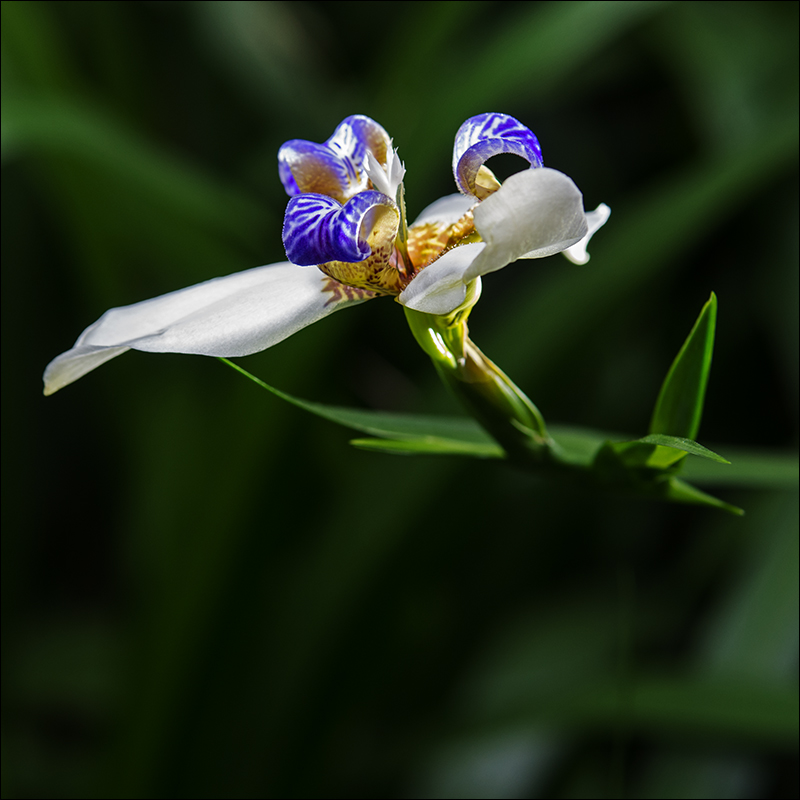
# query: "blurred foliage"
{"type": "Point", "coordinates": [208, 593]}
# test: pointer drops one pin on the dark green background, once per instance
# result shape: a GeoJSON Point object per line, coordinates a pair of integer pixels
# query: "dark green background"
{"type": "Point", "coordinates": [208, 593]}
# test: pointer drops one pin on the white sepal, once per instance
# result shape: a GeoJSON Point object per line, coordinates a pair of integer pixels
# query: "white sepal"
{"type": "Point", "coordinates": [536, 213]}
{"type": "Point", "coordinates": [440, 288]}
{"type": "Point", "coordinates": [577, 254]}
{"type": "Point", "coordinates": [236, 315]}
{"type": "Point", "coordinates": [446, 210]}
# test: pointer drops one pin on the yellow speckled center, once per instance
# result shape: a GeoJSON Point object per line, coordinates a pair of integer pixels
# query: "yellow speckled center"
{"type": "Point", "coordinates": [386, 271]}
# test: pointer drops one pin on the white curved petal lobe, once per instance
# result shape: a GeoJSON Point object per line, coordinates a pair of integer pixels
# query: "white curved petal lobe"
{"type": "Point", "coordinates": [236, 315]}
{"type": "Point", "coordinates": [441, 288]}
{"type": "Point", "coordinates": [446, 210]}
{"type": "Point", "coordinates": [578, 254]}
{"type": "Point", "coordinates": [386, 178]}
{"type": "Point", "coordinates": [536, 213]}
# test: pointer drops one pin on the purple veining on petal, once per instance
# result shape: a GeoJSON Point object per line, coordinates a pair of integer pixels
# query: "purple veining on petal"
{"type": "Point", "coordinates": [318, 229]}
{"type": "Point", "coordinates": [487, 135]}
{"type": "Point", "coordinates": [357, 134]}
{"type": "Point", "coordinates": [336, 167]}
{"type": "Point", "coordinates": [309, 167]}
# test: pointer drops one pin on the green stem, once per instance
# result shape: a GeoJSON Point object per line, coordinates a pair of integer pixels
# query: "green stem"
{"type": "Point", "coordinates": [487, 393]}
{"type": "Point", "coordinates": [509, 416]}
{"type": "Point", "coordinates": [401, 241]}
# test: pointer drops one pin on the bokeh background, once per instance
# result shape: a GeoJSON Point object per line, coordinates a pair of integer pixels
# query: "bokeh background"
{"type": "Point", "coordinates": [209, 593]}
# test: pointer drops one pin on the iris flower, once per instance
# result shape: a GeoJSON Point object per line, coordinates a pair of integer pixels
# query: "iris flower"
{"type": "Point", "coordinates": [347, 241]}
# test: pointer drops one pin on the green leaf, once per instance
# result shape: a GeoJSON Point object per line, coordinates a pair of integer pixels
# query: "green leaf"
{"type": "Point", "coordinates": [388, 425]}
{"type": "Point", "coordinates": [679, 407]}
{"type": "Point", "coordinates": [687, 445]}
{"type": "Point", "coordinates": [655, 452]}
{"type": "Point", "coordinates": [659, 451]}
{"type": "Point", "coordinates": [627, 466]}
{"type": "Point", "coordinates": [678, 491]}
{"type": "Point", "coordinates": [407, 433]}
{"type": "Point", "coordinates": [575, 446]}
{"type": "Point", "coordinates": [432, 445]}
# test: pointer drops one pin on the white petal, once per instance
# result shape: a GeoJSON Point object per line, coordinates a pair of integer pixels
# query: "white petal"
{"type": "Point", "coordinates": [446, 210]}
{"type": "Point", "coordinates": [440, 288]}
{"type": "Point", "coordinates": [596, 219]}
{"type": "Point", "coordinates": [75, 363]}
{"type": "Point", "coordinates": [236, 315]}
{"type": "Point", "coordinates": [536, 213]}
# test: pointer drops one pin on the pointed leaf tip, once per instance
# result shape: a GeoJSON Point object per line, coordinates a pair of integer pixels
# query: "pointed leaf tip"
{"type": "Point", "coordinates": [686, 445]}
{"type": "Point", "coordinates": [678, 491]}
{"type": "Point", "coordinates": [679, 407]}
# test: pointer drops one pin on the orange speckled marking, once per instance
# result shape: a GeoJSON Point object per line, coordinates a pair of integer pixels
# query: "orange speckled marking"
{"type": "Point", "coordinates": [341, 291]}
{"type": "Point", "coordinates": [378, 273]}
{"type": "Point", "coordinates": [430, 241]}
{"type": "Point", "coordinates": [385, 272]}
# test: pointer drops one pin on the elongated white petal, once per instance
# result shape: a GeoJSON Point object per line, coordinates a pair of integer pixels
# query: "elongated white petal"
{"type": "Point", "coordinates": [577, 254]}
{"type": "Point", "coordinates": [536, 213]}
{"type": "Point", "coordinates": [236, 315]}
{"type": "Point", "coordinates": [440, 288]}
{"type": "Point", "coordinates": [446, 210]}
{"type": "Point", "coordinates": [75, 363]}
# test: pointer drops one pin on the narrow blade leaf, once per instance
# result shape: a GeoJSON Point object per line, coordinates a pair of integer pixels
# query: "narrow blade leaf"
{"type": "Point", "coordinates": [384, 424]}
{"type": "Point", "coordinates": [679, 491]}
{"type": "Point", "coordinates": [679, 443]}
{"type": "Point", "coordinates": [579, 446]}
{"type": "Point", "coordinates": [679, 407]}
{"type": "Point", "coordinates": [430, 446]}
{"type": "Point", "coordinates": [658, 451]}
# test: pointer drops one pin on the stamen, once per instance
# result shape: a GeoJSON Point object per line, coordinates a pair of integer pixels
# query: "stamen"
{"type": "Point", "coordinates": [401, 240]}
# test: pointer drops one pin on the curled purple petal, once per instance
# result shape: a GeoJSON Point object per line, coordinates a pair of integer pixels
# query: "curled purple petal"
{"type": "Point", "coordinates": [309, 167]}
{"type": "Point", "coordinates": [335, 168]}
{"type": "Point", "coordinates": [487, 135]}
{"type": "Point", "coordinates": [357, 134]}
{"type": "Point", "coordinates": [318, 229]}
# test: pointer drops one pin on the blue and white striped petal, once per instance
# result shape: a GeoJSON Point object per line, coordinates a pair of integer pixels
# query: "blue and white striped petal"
{"type": "Point", "coordinates": [309, 167]}
{"type": "Point", "coordinates": [318, 229]}
{"type": "Point", "coordinates": [487, 135]}
{"type": "Point", "coordinates": [356, 135]}
{"type": "Point", "coordinates": [338, 167]}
